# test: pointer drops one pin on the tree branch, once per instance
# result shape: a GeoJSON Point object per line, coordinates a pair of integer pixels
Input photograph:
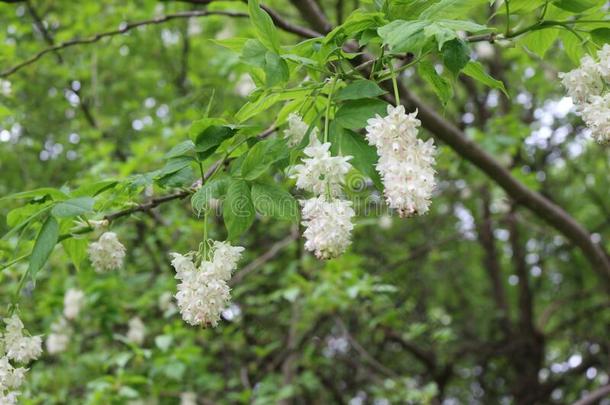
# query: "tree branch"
{"type": "Point", "coordinates": [121, 30]}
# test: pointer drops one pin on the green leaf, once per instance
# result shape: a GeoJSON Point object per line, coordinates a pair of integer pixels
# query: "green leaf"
{"type": "Point", "coordinates": [211, 189]}
{"type": "Point", "coordinates": [364, 156]}
{"type": "Point", "coordinates": [238, 209]}
{"type": "Point", "coordinates": [276, 69]}
{"type": "Point", "coordinates": [54, 193]}
{"type": "Point", "coordinates": [475, 70]}
{"type": "Point", "coordinates": [45, 242]}
{"type": "Point", "coordinates": [576, 6]}
{"type": "Point", "coordinates": [180, 149]}
{"type": "Point", "coordinates": [94, 189]}
{"type": "Point", "coordinates": [263, 24]}
{"type": "Point", "coordinates": [455, 55]}
{"type": "Point", "coordinates": [572, 46]}
{"type": "Point", "coordinates": [76, 249]}
{"type": "Point", "coordinates": [353, 114]}
{"type": "Point", "coordinates": [540, 41]}
{"type": "Point", "coordinates": [254, 53]}
{"type": "Point", "coordinates": [30, 213]}
{"type": "Point", "coordinates": [210, 138]}
{"type": "Point", "coordinates": [175, 164]}
{"type": "Point", "coordinates": [272, 200]}
{"type": "Point", "coordinates": [452, 9]}
{"type": "Point", "coordinates": [181, 178]}
{"type": "Point", "coordinates": [359, 89]}
{"type": "Point", "coordinates": [404, 36]}
{"type": "Point", "coordinates": [261, 156]}
{"type": "Point", "coordinates": [600, 36]}
{"type": "Point", "coordinates": [73, 207]}
{"type": "Point", "coordinates": [441, 86]}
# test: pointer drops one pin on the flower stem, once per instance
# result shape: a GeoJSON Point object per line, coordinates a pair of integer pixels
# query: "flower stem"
{"type": "Point", "coordinates": [328, 104]}
{"type": "Point", "coordinates": [394, 83]}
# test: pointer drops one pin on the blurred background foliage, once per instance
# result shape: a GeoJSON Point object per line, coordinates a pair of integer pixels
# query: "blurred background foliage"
{"type": "Point", "coordinates": [422, 310]}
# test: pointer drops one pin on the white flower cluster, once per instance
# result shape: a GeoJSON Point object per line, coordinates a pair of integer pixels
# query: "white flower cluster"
{"type": "Point", "coordinates": [297, 129]}
{"type": "Point", "coordinates": [327, 217]}
{"type": "Point", "coordinates": [137, 331]}
{"type": "Point", "coordinates": [588, 86]}
{"type": "Point", "coordinates": [203, 291]}
{"type": "Point", "coordinates": [329, 226]}
{"type": "Point", "coordinates": [406, 163]}
{"type": "Point", "coordinates": [15, 346]}
{"type": "Point", "coordinates": [107, 253]}
{"type": "Point", "coordinates": [74, 300]}
{"type": "Point", "coordinates": [188, 398]}
{"type": "Point", "coordinates": [59, 338]}
{"type": "Point", "coordinates": [321, 173]}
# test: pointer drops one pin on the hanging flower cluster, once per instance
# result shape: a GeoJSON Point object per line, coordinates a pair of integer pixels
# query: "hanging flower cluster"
{"type": "Point", "coordinates": [58, 340]}
{"type": "Point", "coordinates": [406, 163]}
{"type": "Point", "coordinates": [107, 253]}
{"type": "Point", "coordinates": [327, 217]}
{"type": "Point", "coordinates": [588, 86]}
{"type": "Point", "coordinates": [203, 291]}
{"type": "Point", "coordinates": [74, 300]}
{"type": "Point", "coordinates": [17, 347]}
{"type": "Point", "coordinates": [137, 331]}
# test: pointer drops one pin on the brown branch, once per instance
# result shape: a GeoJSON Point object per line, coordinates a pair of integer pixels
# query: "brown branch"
{"type": "Point", "coordinates": [121, 30]}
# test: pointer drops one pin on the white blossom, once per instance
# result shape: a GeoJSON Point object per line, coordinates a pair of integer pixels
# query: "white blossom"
{"type": "Point", "coordinates": [17, 346]}
{"type": "Point", "coordinates": [583, 82]}
{"type": "Point", "coordinates": [10, 377]}
{"type": "Point", "coordinates": [224, 259]}
{"type": "Point", "coordinates": [406, 163]}
{"type": "Point", "coordinates": [58, 340]}
{"type": "Point", "coordinates": [137, 331]}
{"type": "Point", "coordinates": [603, 66]}
{"type": "Point", "coordinates": [188, 398]}
{"type": "Point", "coordinates": [596, 115]}
{"type": "Point", "coordinates": [9, 398]}
{"type": "Point", "coordinates": [329, 226]}
{"type": "Point", "coordinates": [74, 300]}
{"type": "Point", "coordinates": [5, 87]}
{"type": "Point", "coordinates": [166, 302]}
{"type": "Point", "coordinates": [320, 172]}
{"type": "Point", "coordinates": [107, 253]}
{"type": "Point", "coordinates": [297, 129]}
{"type": "Point", "coordinates": [203, 292]}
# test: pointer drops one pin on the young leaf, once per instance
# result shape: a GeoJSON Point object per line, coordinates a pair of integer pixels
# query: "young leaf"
{"type": "Point", "coordinates": [54, 193]}
{"type": "Point", "coordinates": [576, 6]}
{"type": "Point", "coordinates": [475, 70]}
{"type": "Point", "coordinates": [359, 89]}
{"type": "Point", "coordinates": [180, 149]}
{"type": "Point", "coordinates": [45, 242]}
{"type": "Point", "coordinates": [73, 207]}
{"type": "Point", "coordinates": [441, 86]}
{"type": "Point", "coordinates": [263, 24]}
{"type": "Point", "coordinates": [276, 69]}
{"type": "Point", "coordinates": [210, 139]}
{"type": "Point", "coordinates": [354, 113]}
{"type": "Point", "coordinates": [272, 200]}
{"type": "Point", "coordinates": [404, 36]}
{"type": "Point", "coordinates": [600, 36]}
{"type": "Point", "coordinates": [175, 164]}
{"type": "Point", "coordinates": [261, 156]}
{"type": "Point", "coordinates": [238, 209]}
{"type": "Point", "coordinates": [93, 189]}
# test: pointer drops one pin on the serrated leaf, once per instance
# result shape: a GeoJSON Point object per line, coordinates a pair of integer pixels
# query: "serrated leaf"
{"type": "Point", "coordinates": [273, 201]}
{"type": "Point", "coordinates": [263, 24]}
{"type": "Point", "coordinates": [359, 89]}
{"type": "Point", "coordinates": [45, 242]}
{"type": "Point", "coordinates": [572, 46]}
{"type": "Point", "coordinates": [453, 9]}
{"type": "Point", "coordinates": [540, 41]}
{"type": "Point", "coordinates": [441, 86]}
{"type": "Point", "coordinates": [238, 210]}
{"type": "Point", "coordinates": [73, 207]}
{"type": "Point", "coordinates": [353, 114]}
{"type": "Point", "coordinates": [262, 155]}
{"type": "Point", "coordinates": [475, 70]}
